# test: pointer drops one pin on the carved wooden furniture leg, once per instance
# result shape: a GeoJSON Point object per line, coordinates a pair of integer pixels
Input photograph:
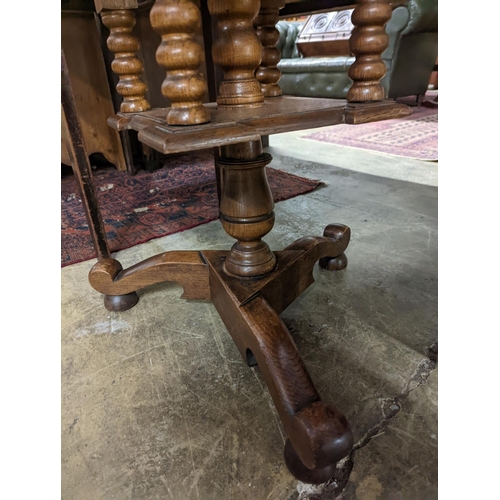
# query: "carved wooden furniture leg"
{"type": "Point", "coordinates": [126, 64]}
{"type": "Point", "coordinates": [186, 268]}
{"type": "Point", "coordinates": [318, 434]}
{"type": "Point", "coordinates": [367, 42]}
{"type": "Point", "coordinates": [237, 50]}
{"type": "Point", "coordinates": [267, 73]}
{"type": "Point", "coordinates": [83, 174]}
{"type": "Point", "coordinates": [178, 21]}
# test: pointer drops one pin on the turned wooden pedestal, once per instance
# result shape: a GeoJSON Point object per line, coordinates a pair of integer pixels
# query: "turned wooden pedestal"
{"type": "Point", "coordinates": [318, 433]}
{"type": "Point", "coordinates": [249, 284]}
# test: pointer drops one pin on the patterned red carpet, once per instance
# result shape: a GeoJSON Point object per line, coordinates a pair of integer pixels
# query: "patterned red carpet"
{"type": "Point", "coordinates": [415, 136]}
{"type": "Point", "coordinates": [135, 209]}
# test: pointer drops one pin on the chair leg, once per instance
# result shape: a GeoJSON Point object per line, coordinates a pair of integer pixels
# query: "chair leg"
{"type": "Point", "coordinates": [83, 174]}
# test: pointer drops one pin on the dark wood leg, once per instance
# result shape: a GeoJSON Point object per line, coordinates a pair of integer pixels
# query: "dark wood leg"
{"type": "Point", "coordinates": [186, 268]}
{"type": "Point", "coordinates": [127, 152]}
{"type": "Point", "coordinates": [368, 40]}
{"type": "Point", "coordinates": [83, 174]}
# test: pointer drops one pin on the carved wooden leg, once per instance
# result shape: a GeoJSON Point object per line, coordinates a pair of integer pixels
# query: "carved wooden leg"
{"type": "Point", "coordinates": [178, 21]}
{"type": "Point", "coordinates": [267, 73]}
{"type": "Point", "coordinates": [368, 41]}
{"type": "Point", "coordinates": [119, 285]}
{"type": "Point", "coordinates": [126, 64]}
{"type": "Point", "coordinates": [318, 434]}
{"type": "Point", "coordinates": [237, 50]}
{"type": "Point", "coordinates": [246, 208]}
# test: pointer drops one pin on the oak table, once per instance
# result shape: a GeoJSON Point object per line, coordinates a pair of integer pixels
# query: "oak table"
{"type": "Point", "coordinates": [249, 284]}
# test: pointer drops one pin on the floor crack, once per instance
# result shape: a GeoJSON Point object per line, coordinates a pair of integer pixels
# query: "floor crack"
{"type": "Point", "coordinates": [390, 407]}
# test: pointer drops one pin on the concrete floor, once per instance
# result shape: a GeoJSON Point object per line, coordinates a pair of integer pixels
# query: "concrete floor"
{"type": "Point", "coordinates": [157, 403]}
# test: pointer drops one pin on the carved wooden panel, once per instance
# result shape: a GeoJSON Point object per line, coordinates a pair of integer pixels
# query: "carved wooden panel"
{"type": "Point", "coordinates": [326, 34]}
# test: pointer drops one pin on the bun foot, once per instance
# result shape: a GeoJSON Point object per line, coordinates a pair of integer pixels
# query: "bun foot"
{"type": "Point", "coordinates": [338, 232]}
{"type": "Point", "coordinates": [301, 472]}
{"type": "Point", "coordinates": [119, 303]}
{"type": "Point", "coordinates": [333, 263]}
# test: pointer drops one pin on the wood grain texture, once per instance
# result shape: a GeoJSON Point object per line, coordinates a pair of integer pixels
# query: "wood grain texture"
{"type": "Point", "coordinates": [115, 4]}
{"type": "Point", "coordinates": [184, 267]}
{"type": "Point", "coordinates": [82, 170]}
{"type": "Point", "coordinates": [293, 273]}
{"type": "Point", "coordinates": [93, 100]}
{"type": "Point", "coordinates": [368, 41]}
{"type": "Point", "coordinates": [366, 112]}
{"type": "Point", "coordinates": [126, 64]}
{"type": "Point", "coordinates": [232, 125]}
{"type": "Point", "coordinates": [268, 73]}
{"type": "Point", "coordinates": [319, 434]}
{"type": "Point", "coordinates": [246, 208]}
{"type": "Point", "coordinates": [178, 21]}
{"type": "Point", "coordinates": [237, 50]}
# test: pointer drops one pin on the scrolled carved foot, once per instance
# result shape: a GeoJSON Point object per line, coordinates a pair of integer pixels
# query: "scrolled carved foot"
{"type": "Point", "coordinates": [119, 285]}
{"type": "Point", "coordinates": [120, 303]}
{"type": "Point", "coordinates": [336, 262]}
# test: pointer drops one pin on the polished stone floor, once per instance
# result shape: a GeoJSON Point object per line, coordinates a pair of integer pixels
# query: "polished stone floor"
{"type": "Point", "coordinates": [157, 403]}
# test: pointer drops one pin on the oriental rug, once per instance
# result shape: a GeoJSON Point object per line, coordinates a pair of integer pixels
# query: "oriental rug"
{"type": "Point", "coordinates": [415, 136]}
{"type": "Point", "coordinates": [135, 209]}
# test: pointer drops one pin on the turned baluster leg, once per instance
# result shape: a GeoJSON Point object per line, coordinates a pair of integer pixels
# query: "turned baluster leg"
{"type": "Point", "coordinates": [126, 64]}
{"type": "Point", "coordinates": [368, 41]}
{"type": "Point", "coordinates": [268, 73]}
{"type": "Point", "coordinates": [178, 21]}
{"type": "Point", "coordinates": [237, 50]}
{"type": "Point", "coordinates": [246, 208]}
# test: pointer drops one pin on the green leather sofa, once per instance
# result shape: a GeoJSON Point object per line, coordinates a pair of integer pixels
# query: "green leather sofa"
{"type": "Point", "coordinates": [410, 57]}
